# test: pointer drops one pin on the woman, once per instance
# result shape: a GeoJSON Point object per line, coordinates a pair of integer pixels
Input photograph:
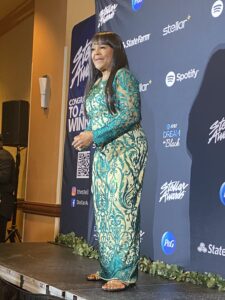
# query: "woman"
{"type": "Point", "coordinates": [113, 108]}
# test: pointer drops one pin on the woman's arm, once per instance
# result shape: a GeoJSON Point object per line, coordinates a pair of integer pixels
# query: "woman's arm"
{"type": "Point", "coordinates": [127, 100]}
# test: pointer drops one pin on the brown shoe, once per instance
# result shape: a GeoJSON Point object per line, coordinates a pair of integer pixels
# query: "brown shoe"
{"type": "Point", "coordinates": [93, 277]}
{"type": "Point", "coordinates": [114, 285]}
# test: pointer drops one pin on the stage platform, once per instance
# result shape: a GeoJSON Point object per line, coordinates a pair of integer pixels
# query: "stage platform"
{"type": "Point", "coordinates": [46, 268]}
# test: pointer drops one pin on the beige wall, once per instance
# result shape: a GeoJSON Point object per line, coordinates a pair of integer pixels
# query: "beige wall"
{"type": "Point", "coordinates": [78, 11]}
{"type": "Point", "coordinates": [53, 23]}
{"type": "Point", "coordinates": [15, 79]}
{"type": "Point", "coordinates": [15, 76]}
{"type": "Point", "coordinates": [42, 168]}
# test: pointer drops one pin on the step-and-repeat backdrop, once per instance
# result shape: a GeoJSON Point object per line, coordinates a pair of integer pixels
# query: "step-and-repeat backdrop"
{"type": "Point", "coordinates": [176, 49]}
{"type": "Point", "coordinates": [77, 211]}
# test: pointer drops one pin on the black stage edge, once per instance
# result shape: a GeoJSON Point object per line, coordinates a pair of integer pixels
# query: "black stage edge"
{"type": "Point", "coordinates": [54, 271]}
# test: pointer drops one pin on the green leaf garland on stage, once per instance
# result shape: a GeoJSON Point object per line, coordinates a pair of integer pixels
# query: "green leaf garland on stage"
{"type": "Point", "coordinates": [154, 268]}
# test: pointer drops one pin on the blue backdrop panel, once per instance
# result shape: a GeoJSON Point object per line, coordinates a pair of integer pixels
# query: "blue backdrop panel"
{"type": "Point", "coordinates": [206, 134]}
{"type": "Point", "coordinates": [77, 165]}
{"type": "Point", "coordinates": [176, 50]}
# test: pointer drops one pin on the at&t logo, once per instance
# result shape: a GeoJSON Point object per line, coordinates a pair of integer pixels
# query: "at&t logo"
{"type": "Point", "coordinates": [137, 4]}
{"type": "Point", "coordinates": [171, 136]}
{"type": "Point", "coordinates": [222, 193]}
{"type": "Point", "coordinates": [217, 8]}
{"type": "Point", "coordinates": [168, 243]}
{"type": "Point", "coordinates": [171, 77]}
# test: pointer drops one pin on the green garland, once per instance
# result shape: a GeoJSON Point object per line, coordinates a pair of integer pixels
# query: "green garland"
{"type": "Point", "coordinates": [78, 244]}
{"type": "Point", "coordinates": [156, 268]}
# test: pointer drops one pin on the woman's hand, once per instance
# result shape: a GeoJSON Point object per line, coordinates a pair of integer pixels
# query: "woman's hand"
{"type": "Point", "coordinates": [83, 140]}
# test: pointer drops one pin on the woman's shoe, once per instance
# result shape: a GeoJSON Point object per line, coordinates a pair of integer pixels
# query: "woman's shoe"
{"type": "Point", "coordinates": [114, 285]}
{"type": "Point", "coordinates": [93, 277]}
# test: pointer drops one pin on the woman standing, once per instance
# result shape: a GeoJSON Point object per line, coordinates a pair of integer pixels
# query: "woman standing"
{"type": "Point", "coordinates": [113, 108]}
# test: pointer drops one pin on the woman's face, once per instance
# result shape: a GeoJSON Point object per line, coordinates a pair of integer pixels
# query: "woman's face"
{"type": "Point", "coordinates": [102, 56]}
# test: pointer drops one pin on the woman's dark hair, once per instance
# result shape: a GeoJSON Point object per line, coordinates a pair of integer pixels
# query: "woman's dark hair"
{"type": "Point", "coordinates": [119, 61]}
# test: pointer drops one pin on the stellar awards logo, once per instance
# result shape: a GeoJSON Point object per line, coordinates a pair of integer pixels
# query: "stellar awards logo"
{"type": "Point", "coordinates": [76, 119]}
{"type": "Point", "coordinates": [168, 243]}
{"type": "Point", "coordinates": [217, 131]}
{"type": "Point", "coordinates": [173, 190]}
{"type": "Point", "coordinates": [217, 8]}
{"type": "Point", "coordinates": [80, 70]}
{"type": "Point", "coordinates": [107, 14]}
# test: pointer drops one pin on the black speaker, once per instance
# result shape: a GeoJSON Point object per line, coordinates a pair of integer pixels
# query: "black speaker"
{"type": "Point", "coordinates": [15, 121]}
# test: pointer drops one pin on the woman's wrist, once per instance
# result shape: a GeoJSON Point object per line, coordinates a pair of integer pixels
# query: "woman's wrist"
{"type": "Point", "coordinates": [90, 137]}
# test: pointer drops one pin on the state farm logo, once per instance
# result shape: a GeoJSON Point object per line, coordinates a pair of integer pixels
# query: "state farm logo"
{"type": "Point", "coordinates": [143, 87]}
{"type": "Point", "coordinates": [217, 8]}
{"type": "Point", "coordinates": [178, 25]}
{"type": "Point", "coordinates": [211, 249]}
{"type": "Point", "coordinates": [217, 131]}
{"type": "Point", "coordinates": [202, 248]}
{"type": "Point", "coordinates": [107, 14]}
{"type": "Point", "coordinates": [172, 77]}
{"type": "Point", "coordinates": [137, 40]}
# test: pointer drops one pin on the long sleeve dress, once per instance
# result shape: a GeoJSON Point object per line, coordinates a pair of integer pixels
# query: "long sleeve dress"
{"type": "Point", "coordinates": [117, 175]}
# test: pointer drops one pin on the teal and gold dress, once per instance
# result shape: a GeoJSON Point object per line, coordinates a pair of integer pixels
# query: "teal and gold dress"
{"type": "Point", "coordinates": [117, 175]}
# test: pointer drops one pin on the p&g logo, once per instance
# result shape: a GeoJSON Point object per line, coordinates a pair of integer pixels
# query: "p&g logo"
{"type": "Point", "coordinates": [136, 4]}
{"type": "Point", "coordinates": [222, 193]}
{"type": "Point", "coordinates": [168, 243]}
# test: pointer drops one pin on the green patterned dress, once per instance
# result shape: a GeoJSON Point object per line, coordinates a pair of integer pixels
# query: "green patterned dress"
{"type": "Point", "coordinates": [117, 175]}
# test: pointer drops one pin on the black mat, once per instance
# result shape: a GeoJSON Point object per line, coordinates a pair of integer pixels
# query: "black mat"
{"type": "Point", "coordinates": [9, 291]}
{"type": "Point", "coordinates": [58, 267]}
